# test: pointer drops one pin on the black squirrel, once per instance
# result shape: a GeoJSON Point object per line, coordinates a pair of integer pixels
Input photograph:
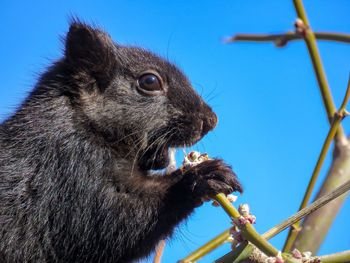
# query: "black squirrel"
{"type": "Point", "coordinates": [75, 158]}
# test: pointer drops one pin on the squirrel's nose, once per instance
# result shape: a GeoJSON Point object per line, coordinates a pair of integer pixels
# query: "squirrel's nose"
{"type": "Point", "coordinates": [209, 122]}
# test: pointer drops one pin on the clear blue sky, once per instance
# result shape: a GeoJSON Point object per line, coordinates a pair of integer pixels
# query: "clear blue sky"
{"type": "Point", "coordinates": [271, 119]}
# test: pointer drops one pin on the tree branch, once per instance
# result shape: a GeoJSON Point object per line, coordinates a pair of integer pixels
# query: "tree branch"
{"type": "Point", "coordinates": [316, 62]}
{"type": "Point", "coordinates": [341, 160]}
{"type": "Point", "coordinates": [308, 210]}
{"type": "Point", "coordinates": [247, 230]}
{"type": "Point", "coordinates": [217, 241]}
{"type": "Point", "coordinates": [316, 225]}
{"type": "Point", "coordinates": [281, 40]}
{"type": "Point", "coordinates": [207, 247]}
{"type": "Point", "coordinates": [337, 257]}
{"type": "Point", "coordinates": [339, 115]}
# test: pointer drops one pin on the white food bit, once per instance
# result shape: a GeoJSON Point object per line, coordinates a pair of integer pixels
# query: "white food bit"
{"type": "Point", "coordinates": [194, 158]}
{"type": "Point", "coordinates": [203, 157]}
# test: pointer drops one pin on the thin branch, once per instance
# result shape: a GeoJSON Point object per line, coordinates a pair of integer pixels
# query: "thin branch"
{"type": "Point", "coordinates": [242, 252]}
{"type": "Point", "coordinates": [281, 40]}
{"type": "Point", "coordinates": [247, 230]}
{"type": "Point", "coordinates": [308, 210]}
{"type": "Point", "coordinates": [207, 247]}
{"type": "Point", "coordinates": [316, 225]}
{"type": "Point", "coordinates": [317, 62]}
{"type": "Point", "coordinates": [338, 116]}
{"type": "Point", "coordinates": [310, 40]}
{"type": "Point", "coordinates": [306, 33]}
{"type": "Point", "coordinates": [220, 239]}
{"type": "Point", "coordinates": [342, 110]}
{"type": "Point", "coordinates": [337, 257]}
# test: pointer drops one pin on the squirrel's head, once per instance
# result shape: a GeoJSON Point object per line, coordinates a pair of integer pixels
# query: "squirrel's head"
{"type": "Point", "coordinates": [134, 99]}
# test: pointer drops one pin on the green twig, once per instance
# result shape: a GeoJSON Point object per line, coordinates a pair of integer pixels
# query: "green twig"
{"type": "Point", "coordinates": [247, 230]}
{"type": "Point", "coordinates": [336, 129]}
{"type": "Point", "coordinates": [338, 116]}
{"type": "Point", "coordinates": [317, 63]}
{"type": "Point", "coordinates": [217, 241]}
{"type": "Point", "coordinates": [326, 95]}
{"type": "Point", "coordinates": [310, 38]}
{"type": "Point", "coordinates": [207, 247]}
{"type": "Point", "coordinates": [242, 252]}
{"type": "Point", "coordinates": [337, 257]}
{"type": "Point", "coordinates": [308, 210]}
{"type": "Point", "coordinates": [316, 225]}
{"type": "Point", "coordinates": [281, 40]}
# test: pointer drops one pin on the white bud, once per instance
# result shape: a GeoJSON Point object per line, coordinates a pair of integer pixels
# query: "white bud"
{"type": "Point", "coordinates": [307, 254]}
{"type": "Point", "coordinates": [297, 254]}
{"type": "Point", "coordinates": [232, 198]}
{"type": "Point", "coordinates": [244, 210]}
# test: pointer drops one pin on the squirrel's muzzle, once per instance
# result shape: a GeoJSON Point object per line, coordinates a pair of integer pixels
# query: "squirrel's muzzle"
{"type": "Point", "coordinates": [209, 122]}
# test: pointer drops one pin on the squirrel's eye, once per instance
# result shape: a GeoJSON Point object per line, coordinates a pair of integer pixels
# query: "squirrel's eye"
{"type": "Point", "coordinates": [150, 83]}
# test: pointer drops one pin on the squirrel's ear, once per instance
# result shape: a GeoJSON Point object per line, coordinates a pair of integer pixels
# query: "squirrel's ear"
{"type": "Point", "coordinates": [90, 49]}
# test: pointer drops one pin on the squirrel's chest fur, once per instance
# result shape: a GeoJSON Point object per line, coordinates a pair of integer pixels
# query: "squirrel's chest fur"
{"type": "Point", "coordinates": [68, 200]}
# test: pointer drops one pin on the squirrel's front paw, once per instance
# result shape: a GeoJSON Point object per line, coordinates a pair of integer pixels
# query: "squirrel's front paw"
{"type": "Point", "coordinates": [211, 177]}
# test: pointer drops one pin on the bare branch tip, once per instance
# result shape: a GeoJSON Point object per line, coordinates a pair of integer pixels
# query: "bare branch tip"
{"type": "Point", "coordinates": [226, 40]}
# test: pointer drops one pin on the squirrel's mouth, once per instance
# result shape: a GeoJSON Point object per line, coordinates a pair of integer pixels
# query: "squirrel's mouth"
{"type": "Point", "coordinates": [188, 133]}
{"type": "Point", "coordinates": [154, 158]}
{"type": "Point", "coordinates": [157, 157]}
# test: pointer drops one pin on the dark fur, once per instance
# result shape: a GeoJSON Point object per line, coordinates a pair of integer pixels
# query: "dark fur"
{"type": "Point", "coordinates": [75, 157]}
